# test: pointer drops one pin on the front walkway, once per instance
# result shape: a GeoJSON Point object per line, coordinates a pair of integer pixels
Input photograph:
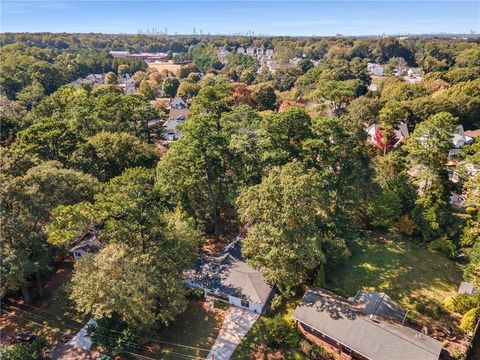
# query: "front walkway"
{"type": "Point", "coordinates": [236, 325]}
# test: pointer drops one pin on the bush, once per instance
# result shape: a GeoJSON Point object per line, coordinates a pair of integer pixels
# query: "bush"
{"type": "Point", "coordinates": [195, 294]}
{"type": "Point", "coordinates": [280, 333]}
{"type": "Point", "coordinates": [461, 303]}
{"type": "Point", "coordinates": [406, 225]}
{"type": "Point", "coordinates": [32, 351]}
{"type": "Point", "coordinates": [219, 304]}
{"type": "Point", "coordinates": [443, 245]}
{"type": "Point", "coordinates": [469, 320]}
{"type": "Point", "coordinates": [114, 335]}
{"type": "Point", "coordinates": [321, 353]}
{"type": "Point", "coordinates": [320, 279]}
{"type": "Point", "coordinates": [421, 308]}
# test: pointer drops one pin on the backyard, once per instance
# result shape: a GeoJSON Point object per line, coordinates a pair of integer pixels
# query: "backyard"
{"type": "Point", "coordinates": [407, 272]}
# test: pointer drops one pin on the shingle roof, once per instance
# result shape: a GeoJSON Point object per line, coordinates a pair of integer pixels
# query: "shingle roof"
{"type": "Point", "coordinates": [380, 305]}
{"type": "Point", "coordinates": [88, 243]}
{"type": "Point", "coordinates": [176, 114]}
{"type": "Point", "coordinates": [346, 322]}
{"type": "Point", "coordinates": [466, 288]}
{"type": "Point", "coordinates": [230, 275]}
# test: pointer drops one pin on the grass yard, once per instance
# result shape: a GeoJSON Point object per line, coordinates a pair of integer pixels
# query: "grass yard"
{"type": "Point", "coordinates": [406, 272]}
{"type": "Point", "coordinates": [169, 66]}
{"type": "Point", "coordinates": [192, 334]}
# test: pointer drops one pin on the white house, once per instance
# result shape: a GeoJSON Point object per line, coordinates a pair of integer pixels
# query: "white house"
{"type": "Point", "coordinates": [228, 278]}
{"type": "Point", "coordinates": [375, 69]}
{"type": "Point", "coordinates": [241, 50]}
{"type": "Point", "coordinates": [178, 103]}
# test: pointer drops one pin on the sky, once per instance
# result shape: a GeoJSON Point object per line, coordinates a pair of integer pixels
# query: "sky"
{"type": "Point", "coordinates": [295, 18]}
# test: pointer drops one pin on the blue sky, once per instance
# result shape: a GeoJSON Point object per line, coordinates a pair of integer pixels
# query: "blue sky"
{"type": "Point", "coordinates": [268, 17]}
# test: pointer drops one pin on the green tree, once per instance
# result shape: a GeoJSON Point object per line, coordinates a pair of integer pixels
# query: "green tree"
{"type": "Point", "coordinates": [338, 93]}
{"type": "Point", "coordinates": [385, 209]}
{"type": "Point", "coordinates": [170, 86]}
{"type": "Point", "coordinates": [265, 96]}
{"type": "Point", "coordinates": [111, 78]}
{"type": "Point", "coordinates": [284, 225]}
{"type": "Point", "coordinates": [27, 201]}
{"type": "Point", "coordinates": [49, 139]}
{"type": "Point", "coordinates": [147, 90]}
{"type": "Point", "coordinates": [106, 155]}
{"type": "Point", "coordinates": [123, 69]}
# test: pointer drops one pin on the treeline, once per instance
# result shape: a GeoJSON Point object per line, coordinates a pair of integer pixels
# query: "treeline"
{"type": "Point", "coordinates": [28, 73]}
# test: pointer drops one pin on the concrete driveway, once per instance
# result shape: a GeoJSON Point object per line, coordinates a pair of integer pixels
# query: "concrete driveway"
{"type": "Point", "coordinates": [236, 325]}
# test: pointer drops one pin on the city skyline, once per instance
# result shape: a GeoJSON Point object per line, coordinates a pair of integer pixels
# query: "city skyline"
{"type": "Point", "coordinates": [303, 18]}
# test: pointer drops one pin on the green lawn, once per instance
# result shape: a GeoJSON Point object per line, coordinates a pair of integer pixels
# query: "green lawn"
{"type": "Point", "coordinates": [406, 272]}
{"type": "Point", "coordinates": [191, 334]}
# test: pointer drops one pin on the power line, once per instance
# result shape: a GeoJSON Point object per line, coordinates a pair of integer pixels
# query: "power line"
{"type": "Point", "coordinates": [111, 330]}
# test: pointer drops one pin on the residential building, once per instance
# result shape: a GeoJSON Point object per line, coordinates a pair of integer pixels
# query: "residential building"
{"type": "Point", "coordinates": [228, 278]}
{"type": "Point", "coordinates": [176, 117]}
{"type": "Point", "coordinates": [178, 103]}
{"type": "Point", "coordinates": [376, 136]}
{"type": "Point", "coordinates": [241, 50]}
{"type": "Point", "coordinates": [89, 243]}
{"type": "Point", "coordinates": [375, 69]}
{"type": "Point", "coordinates": [368, 326]}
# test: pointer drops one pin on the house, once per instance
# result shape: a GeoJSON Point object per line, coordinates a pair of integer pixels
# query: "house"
{"type": "Point", "coordinates": [176, 117]}
{"type": "Point", "coordinates": [459, 139]}
{"type": "Point", "coordinates": [369, 326]}
{"type": "Point", "coordinates": [375, 69]}
{"type": "Point", "coordinates": [241, 50]}
{"type": "Point", "coordinates": [376, 136]}
{"type": "Point", "coordinates": [228, 278]}
{"type": "Point", "coordinates": [178, 103]}
{"type": "Point", "coordinates": [89, 243]}
{"type": "Point", "coordinates": [472, 134]}
{"type": "Point", "coordinates": [222, 53]}
{"type": "Point", "coordinates": [468, 288]}
{"type": "Point", "coordinates": [120, 54]}
{"type": "Point", "coordinates": [250, 51]}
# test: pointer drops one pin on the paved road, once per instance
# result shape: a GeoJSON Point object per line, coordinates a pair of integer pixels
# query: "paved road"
{"type": "Point", "coordinates": [236, 325]}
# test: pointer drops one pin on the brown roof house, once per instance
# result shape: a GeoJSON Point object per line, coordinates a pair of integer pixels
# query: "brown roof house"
{"type": "Point", "coordinates": [368, 326]}
{"type": "Point", "coordinates": [176, 117]}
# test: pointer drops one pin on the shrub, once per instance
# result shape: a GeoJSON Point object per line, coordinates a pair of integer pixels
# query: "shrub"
{"type": "Point", "coordinates": [420, 307]}
{"type": "Point", "coordinates": [33, 351]}
{"type": "Point", "coordinates": [219, 304]}
{"type": "Point", "coordinates": [443, 245]}
{"type": "Point", "coordinates": [321, 353]}
{"type": "Point", "coordinates": [281, 333]}
{"type": "Point", "coordinates": [406, 225]}
{"type": "Point", "coordinates": [461, 303]}
{"type": "Point", "coordinates": [195, 294]}
{"type": "Point", "coordinates": [469, 320]}
{"type": "Point", "coordinates": [320, 279]}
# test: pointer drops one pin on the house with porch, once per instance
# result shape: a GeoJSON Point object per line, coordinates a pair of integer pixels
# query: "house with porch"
{"type": "Point", "coordinates": [367, 326]}
{"type": "Point", "coordinates": [228, 278]}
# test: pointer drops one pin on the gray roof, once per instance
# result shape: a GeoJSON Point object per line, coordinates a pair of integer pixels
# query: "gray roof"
{"type": "Point", "coordinates": [230, 275]}
{"type": "Point", "coordinates": [88, 243]}
{"type": "Point", "coordinates": [380, 305]}
{"type": "Point", "coordinates": [346, 322]}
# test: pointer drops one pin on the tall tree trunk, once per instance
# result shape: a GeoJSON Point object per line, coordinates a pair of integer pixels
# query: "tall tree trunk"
{"type": "Point", "coordinates": [38, 279]}
{"type": "Point", "coordinates": [213, 206]}
{"type": "Point", "coordinates": [26, 294]}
